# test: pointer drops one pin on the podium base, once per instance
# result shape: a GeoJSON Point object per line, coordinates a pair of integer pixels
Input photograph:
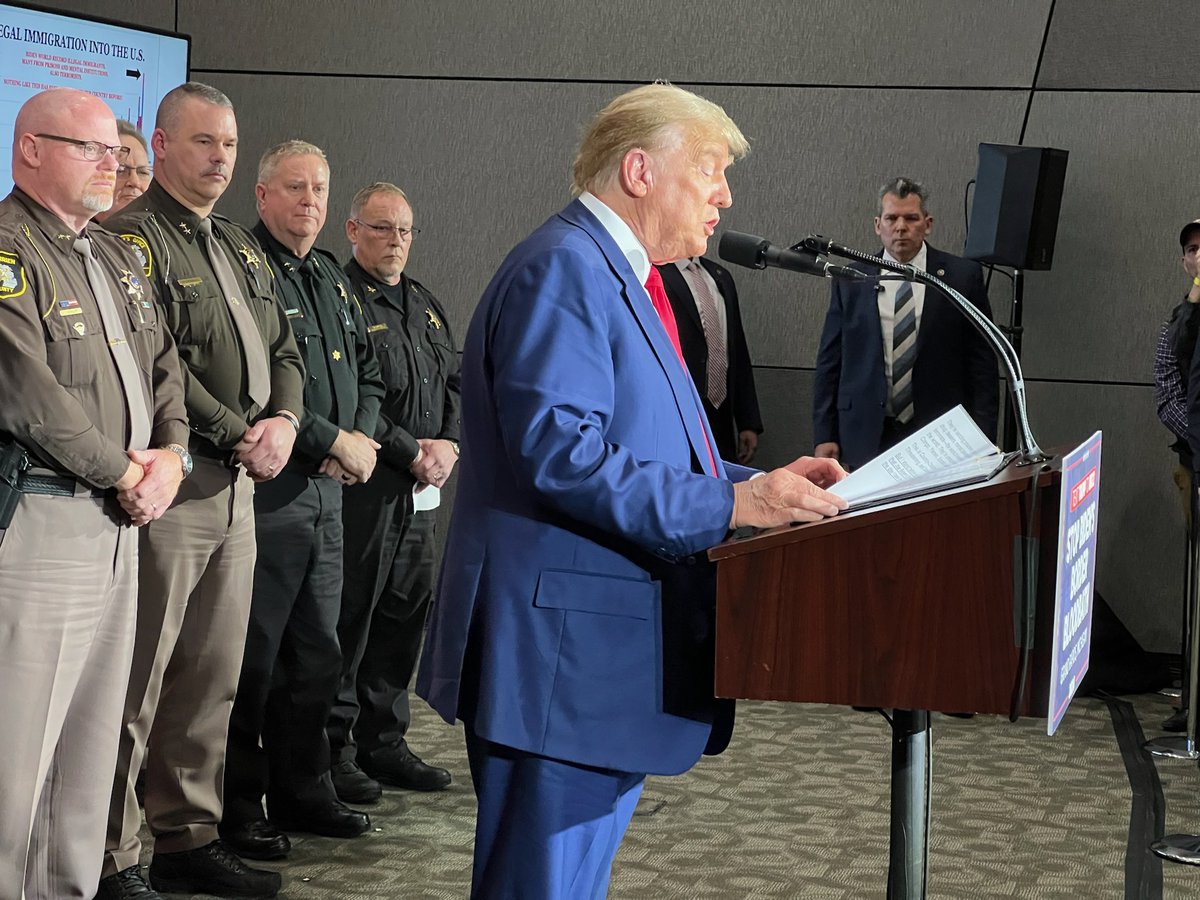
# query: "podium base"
{"type": "Point", "coordinates": [1180, 848]}
{"type": "Point", "coordinates": [1177, 746]}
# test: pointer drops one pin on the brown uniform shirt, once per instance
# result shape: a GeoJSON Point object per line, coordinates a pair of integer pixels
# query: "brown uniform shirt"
{"type": "Point", "coordinates": [60, 394]}
{"type": "Point", "coordinates": [165, 235]}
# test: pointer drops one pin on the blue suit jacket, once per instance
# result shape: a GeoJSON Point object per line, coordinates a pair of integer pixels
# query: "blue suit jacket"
{"type": "Point", "coordinates": [574, 612]}
{"type": "Point", "coordinates": [954, 364]}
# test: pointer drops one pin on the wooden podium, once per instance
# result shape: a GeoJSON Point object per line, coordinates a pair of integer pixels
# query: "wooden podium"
{"type": "Point", "coordinates": [916, 606]}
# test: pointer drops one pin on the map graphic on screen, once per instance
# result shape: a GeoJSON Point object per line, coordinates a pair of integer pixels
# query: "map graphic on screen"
{"type": "Point", "coordinates": [129, 67]}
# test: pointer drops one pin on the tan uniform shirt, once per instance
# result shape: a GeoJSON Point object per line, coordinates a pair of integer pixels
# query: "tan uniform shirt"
{"type": "Point", "coordinates": [62, 396]}
{"type": "Point", "coordinates": [164, 234]}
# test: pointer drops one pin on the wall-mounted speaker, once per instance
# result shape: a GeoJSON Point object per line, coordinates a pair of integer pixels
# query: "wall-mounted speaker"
{"type": "Point", "coordinates": [1014, 214]}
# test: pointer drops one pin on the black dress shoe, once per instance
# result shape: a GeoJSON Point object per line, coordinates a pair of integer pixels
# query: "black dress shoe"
{"type": "Point", "coordinates": [400, 767]}
{"type": "Point", "coordinates": [1177, 722]}
{"type": "Point", "coordinates": [256, 839]}
{"type": "Point", "coordinates": [333, 819]}
{"type": "Point", "coordinates": [211, 869]}
{"type": "Point", "coordinates": [353, 785]}
{"type": "Point", "coordinates": [128, 884]}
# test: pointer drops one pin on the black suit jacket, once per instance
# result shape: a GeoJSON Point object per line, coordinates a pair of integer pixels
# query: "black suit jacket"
{"type": "Point", "coordinates": [739, 412]}
{"type": "Point", "coordinates": [954, 364]}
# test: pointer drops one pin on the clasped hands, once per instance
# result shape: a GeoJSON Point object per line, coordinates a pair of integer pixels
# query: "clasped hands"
{"type": "Point", "coordinates": [794, 493]}
{"type": "Point", "coordinates": [149, 484]}
{"type": "Point", "coordinates": [352, 458]}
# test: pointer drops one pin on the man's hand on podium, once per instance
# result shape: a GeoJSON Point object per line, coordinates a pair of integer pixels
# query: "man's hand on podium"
{"type": "Point", "coordinates": [791, 494]}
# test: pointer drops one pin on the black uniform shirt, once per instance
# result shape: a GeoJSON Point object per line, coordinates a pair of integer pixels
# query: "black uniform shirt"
{"type": "Point", "coordinates": [418, 360]}
{"type": "Point", "coordinates": [343, 389]}
{"type": "Point", "coordinates": [165, 235]}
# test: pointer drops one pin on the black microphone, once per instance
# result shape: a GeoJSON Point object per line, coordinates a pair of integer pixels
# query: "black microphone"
{"type": "Point", "coordinates": [757, 253]}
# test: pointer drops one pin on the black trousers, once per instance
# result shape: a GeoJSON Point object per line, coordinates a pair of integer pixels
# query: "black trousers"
{"type": "Point", "coordinates": [292, 662]}
{"type": "Point", "coordinates": [385, 601]}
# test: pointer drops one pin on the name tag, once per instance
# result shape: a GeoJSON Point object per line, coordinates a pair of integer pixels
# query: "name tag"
{"type": "Point", "coordinates": [371, 329]}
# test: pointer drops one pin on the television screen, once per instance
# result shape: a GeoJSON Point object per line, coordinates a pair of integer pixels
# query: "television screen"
{"type": "Point", "coordinates": [127, 66]}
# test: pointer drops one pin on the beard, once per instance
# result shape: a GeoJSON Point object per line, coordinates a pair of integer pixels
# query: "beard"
{"type": "Point", "coordinates": [97, 201]}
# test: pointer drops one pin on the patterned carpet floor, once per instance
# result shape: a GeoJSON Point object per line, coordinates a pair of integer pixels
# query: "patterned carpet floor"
{"type": "Point", "coordinates": [798, 808]}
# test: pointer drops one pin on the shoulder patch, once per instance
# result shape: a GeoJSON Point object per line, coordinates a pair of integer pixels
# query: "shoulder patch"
{"type": "Point", "coordinates": [12, 276]}
{"type": "Point", "coordinates": [141, 250]}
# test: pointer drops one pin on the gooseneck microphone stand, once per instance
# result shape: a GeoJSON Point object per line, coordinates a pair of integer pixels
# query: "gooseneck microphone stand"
{"type": "Point", "coordinates": [912, 739]}
{"type": "Point", "coordinates": [1027, 447]}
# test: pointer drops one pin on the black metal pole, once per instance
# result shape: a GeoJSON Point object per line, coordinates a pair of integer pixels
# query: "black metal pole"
{"type": "Point", "coordinates": [1014, 338]}
{"type": "Point", "coordinates": [908, 859]}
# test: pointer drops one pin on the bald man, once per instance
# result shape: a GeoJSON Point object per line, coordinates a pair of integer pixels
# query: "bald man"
{"type": "Point", "coordinates": [91, 381]}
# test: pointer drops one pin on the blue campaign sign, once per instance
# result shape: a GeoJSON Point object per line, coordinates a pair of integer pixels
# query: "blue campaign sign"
{"type": "Point", "coordinates": [1078, 517]}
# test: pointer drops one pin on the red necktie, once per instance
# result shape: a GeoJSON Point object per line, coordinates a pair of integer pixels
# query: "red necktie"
{"type": "Point", "coordinates": [662, 306]}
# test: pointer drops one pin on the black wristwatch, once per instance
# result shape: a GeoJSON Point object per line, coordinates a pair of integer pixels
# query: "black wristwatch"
{"type": "Point", "coordinates": [185, 458]}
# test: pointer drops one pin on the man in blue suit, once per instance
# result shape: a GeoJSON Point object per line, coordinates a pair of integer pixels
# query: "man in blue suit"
{"type": "Point", "coordinates": [572, 634]}
{"type": "Point", "coordinates": [895, 357]}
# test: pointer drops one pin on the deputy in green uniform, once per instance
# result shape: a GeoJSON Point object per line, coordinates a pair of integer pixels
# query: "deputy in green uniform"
{"type": "Point", "coordinates": [90, 380]}
{"type": "Point", "coordinates": [292, 663]}
{"type": "Point", "coordinates": [244, 395]}
{"type": "Point", "coordinates": [389, 541]}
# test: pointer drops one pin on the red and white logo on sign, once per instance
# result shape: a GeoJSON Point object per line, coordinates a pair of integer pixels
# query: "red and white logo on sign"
{"type": "Point", "coordinates": [1086, 485]}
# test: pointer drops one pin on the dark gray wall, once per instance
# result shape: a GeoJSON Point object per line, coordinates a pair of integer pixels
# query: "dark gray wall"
{"type": "Point", "coordinates": [476, 108]}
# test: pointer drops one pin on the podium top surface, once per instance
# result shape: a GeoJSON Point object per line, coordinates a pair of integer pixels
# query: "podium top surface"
{"type": "Point", "coordinates": [1012, 479]}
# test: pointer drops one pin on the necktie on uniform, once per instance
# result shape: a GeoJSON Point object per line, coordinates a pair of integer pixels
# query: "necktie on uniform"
{"type": "Point", "coordinates": [714, 337]}
{"type": "Point", "coordinates": [128, 369]}
{"type": "Point", "coordinates": [904, 352]}
{"type": "Point", "coordinates": [254, 356]}
{"type": "Point", "coordinates": [662, 306]}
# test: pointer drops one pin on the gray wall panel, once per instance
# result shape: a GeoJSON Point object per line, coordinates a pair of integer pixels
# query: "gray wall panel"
{"type": "Point", "coordinates": [1097, 44]}
{"type": "Point", "coordinates": [153, 13]}
{"type": "Point", "coordinates": [1131, 185]}
{"type": "Point", "coordinates": [1140, 566]}
{"type": "Point", "coordinates": [481, 181]}
{"type": "Point", "coordinates": [785, 400]}
{"type": "Point", "coordinates": [936, 42]}
{"type": "Point", "coordinates": [818, 159]}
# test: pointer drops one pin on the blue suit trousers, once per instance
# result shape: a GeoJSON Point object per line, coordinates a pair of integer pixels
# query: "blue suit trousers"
{"type": "Point", "coordinates": [546, 829]}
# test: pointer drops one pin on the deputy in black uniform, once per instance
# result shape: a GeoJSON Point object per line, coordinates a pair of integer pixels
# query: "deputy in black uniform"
{"type": "Point", "coordinates": [389, 545]}
{"type": "Point", "coordinates": [291, 668]}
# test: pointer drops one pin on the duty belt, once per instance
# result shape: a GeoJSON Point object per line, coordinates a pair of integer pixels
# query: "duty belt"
{"type": "Point", "coordinates": [35, 482]}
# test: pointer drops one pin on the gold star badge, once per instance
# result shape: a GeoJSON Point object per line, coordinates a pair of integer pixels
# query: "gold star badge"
{"type": "Point", "coordinates": [133, 284]}
{"type": "Point", "coordinates": [337, 354]}
{"type": "Point", "coordinates": [433, 320]}
{"type": "Point", "coordinates": [250, 256]}
{"type": "Point", "coordinates": [371, 290]}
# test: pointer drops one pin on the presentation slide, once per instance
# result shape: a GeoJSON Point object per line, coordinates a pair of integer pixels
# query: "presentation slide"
{"type": "Point", "coordinates": [128, 67]}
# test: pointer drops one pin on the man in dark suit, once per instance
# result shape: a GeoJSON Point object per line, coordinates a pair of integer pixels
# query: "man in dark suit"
{"type": "Point", "coordinates": [705, 303]}
{"type": "Point", "coordinates": [894, 357]}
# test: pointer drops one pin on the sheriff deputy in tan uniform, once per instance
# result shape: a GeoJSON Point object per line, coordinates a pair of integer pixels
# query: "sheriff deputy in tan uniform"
{"type": "Point", "coordinates": [244, 395]}
{"type": "Point", "coordinates": [90, 380]}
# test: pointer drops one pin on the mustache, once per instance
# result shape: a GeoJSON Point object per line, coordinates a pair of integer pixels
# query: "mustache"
{"type": "Point", "coordinates": [219, 169]}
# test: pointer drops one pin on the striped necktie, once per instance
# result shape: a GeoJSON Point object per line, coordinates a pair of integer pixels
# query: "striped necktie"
{"type": "Point", "coordinates": [717, 372]}
{"type": "Point", "coordinates": [904, 352]}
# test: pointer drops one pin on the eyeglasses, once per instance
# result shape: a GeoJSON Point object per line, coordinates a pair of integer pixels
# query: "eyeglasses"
{"type": "Point", "coordinates": [388, 230]}
{"type": "Point", "coordinates": [144, 171]}
{"type": "Point", "coordinates": [92, 150]}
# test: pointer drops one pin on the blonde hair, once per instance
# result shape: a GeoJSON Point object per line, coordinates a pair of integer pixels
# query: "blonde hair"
{"type": "Point", "coordinates": [379, 187]}
{"type": "Point", "coordinates": [650, 117]}
{"type": "Point", "coordinates": [270, 160]}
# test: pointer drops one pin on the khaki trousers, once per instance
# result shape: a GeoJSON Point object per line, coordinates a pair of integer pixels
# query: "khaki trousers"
{"type": "Point", "coordinates": [67, 592]}
{"type": "Point", "coordinates": [197, 569]}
